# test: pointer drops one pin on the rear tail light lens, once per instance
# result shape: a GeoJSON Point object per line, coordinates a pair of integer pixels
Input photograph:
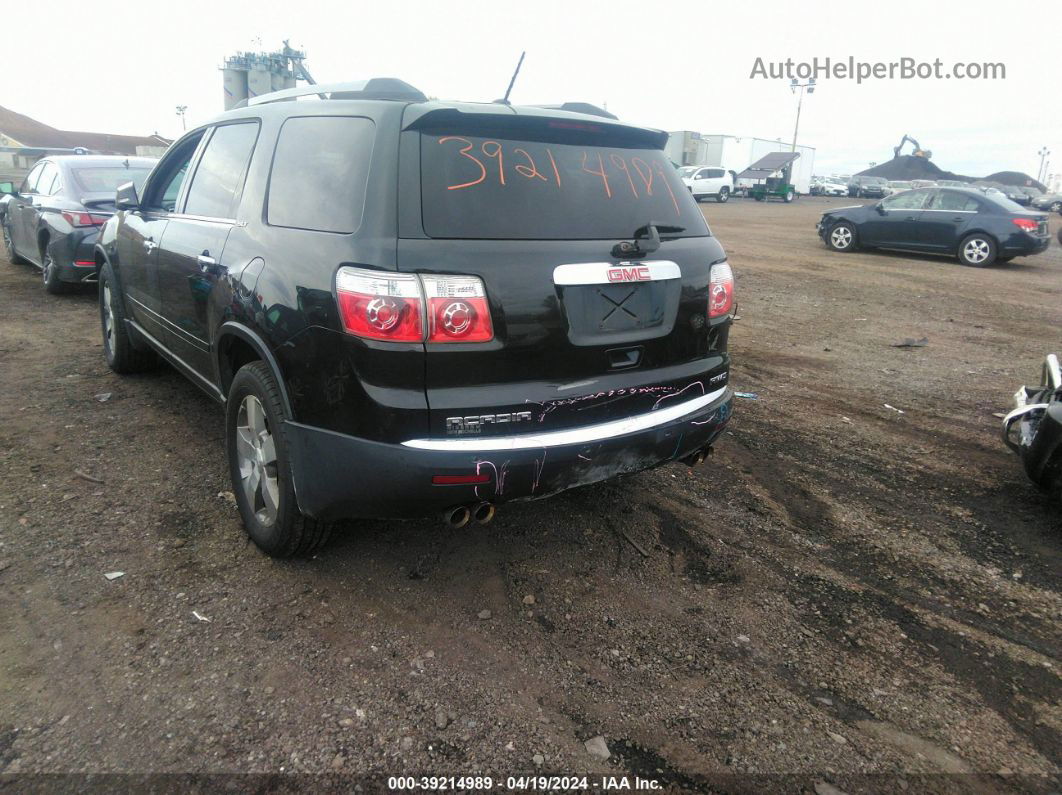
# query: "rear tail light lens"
{"type": "Point", "coordinates": [457, 309]}
{"type": "Point", "coordinates": [1027, 224]}
{"type": "Point", "coordinates": [721, 290]}
{"type": "Point", "coordinates": [403, 307]}
{"type": "Point", "coordinates": [85, 219]}
{"type": "Point", "coordinates": [380, 306]}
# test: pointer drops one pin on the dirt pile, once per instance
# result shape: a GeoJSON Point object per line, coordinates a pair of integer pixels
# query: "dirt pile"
{"type": "Point", "coordinates": [908, 167]}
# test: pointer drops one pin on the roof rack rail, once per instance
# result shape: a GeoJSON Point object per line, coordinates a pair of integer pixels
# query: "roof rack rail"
{"type": "Point", "coordinates": [374, 88]}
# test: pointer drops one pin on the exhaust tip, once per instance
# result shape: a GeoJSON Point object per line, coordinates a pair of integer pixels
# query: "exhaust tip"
{"type": "Point", "coordinates": [457, 517]}
{"type": "Point", "coordinates": [483, 513]}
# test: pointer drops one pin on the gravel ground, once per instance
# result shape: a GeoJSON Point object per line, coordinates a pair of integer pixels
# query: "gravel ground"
{"type": "Point", "coordinates": [845, 595]}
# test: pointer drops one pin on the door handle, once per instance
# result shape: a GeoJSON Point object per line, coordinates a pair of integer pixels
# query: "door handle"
{"type": "Point", "coordinates": [958, 219]}
{"type": "Point", "coordinates": [207, 264]}
{"type": "Point", "coordinates": [150, 245]}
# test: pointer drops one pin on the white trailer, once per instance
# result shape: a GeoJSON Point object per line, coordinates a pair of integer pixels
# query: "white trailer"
{"type": "Point", "coordinates": [736, 153]}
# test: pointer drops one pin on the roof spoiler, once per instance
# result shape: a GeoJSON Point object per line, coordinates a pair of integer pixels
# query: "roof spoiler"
{"type": "Point", "coordinates": [580, 107]}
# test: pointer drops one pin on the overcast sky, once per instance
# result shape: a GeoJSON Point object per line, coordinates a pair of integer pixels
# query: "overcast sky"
{"type": "Point", "coordinates": [122, 67]}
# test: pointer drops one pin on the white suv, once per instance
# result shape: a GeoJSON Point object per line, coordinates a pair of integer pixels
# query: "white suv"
{"type": "Point", "coordinates": [708, 181]}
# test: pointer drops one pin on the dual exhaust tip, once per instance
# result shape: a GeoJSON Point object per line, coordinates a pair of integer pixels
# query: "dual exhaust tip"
{"type": "Point", "coordinates": [461, 515]}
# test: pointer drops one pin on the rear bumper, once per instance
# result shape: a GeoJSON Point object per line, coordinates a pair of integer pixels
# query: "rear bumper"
{"type": "Point", "coordinates": [1021, 243]}
{"type": "Point", "coordinates": [339, 476]}
{"type": "Point", "coordinates": [74, 256]}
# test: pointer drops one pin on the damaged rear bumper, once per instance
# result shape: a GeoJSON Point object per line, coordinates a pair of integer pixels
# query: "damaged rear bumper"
{"type": "Point", "coordinates": [338, 476]}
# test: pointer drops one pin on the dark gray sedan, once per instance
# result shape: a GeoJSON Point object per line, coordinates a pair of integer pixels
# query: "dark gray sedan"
{"type": "Point", "coordinates": [52, 219]}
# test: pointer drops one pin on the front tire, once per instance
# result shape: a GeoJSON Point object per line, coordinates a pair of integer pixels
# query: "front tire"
{"type": "Point", "coordinates": [122, 356]}
{"type": "Point", "coordinates": [977, 251]}
{"type": "Point", "coordinates": [842, 237]}
{"type": "Point", "coordinates": [724, 195]}
{"type": "Point", "coordinates": [261, 469]}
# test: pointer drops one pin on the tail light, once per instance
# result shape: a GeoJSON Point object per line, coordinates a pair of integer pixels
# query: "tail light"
{"type": "Point", "coordinates": [380, 306]}
{"type": "Point", "coordinates": [402, 307]}
{"type": "Point", "coordinates": [1026, 224]}
{"type": "Point", "coordinates": [457, 309]}
{"type": "Point", "coordinates": [721, 290]}
{"type": "Point", "coordinates": [84, 219]}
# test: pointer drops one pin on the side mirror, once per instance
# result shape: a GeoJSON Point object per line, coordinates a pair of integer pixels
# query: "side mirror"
{"type": "Point", "coordinates": [7, 189]}
{"type": "Point", "coordinates": [880, 207]}
{"type": "Point", "coordinates": [125, 198]}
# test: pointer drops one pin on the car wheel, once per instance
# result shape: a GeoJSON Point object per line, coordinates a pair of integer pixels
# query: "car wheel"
{"type": "Point", "coordinates": [842, 237]}
{"type": "Point", "coordinates": [724, 195]}
{"type": "Point", "coordinates": [9, 246]}
{"type": "Point", "coordinates": [261, 470]}
{"type": "Point", "coordinates": [977, 251]}
{"type": "Point", "coordinates": [50, 274]}
{"type": "Point", "coordinates": [122, 356]}
{"type": "Point", "coordinates": [789, 196]}
{"type": "Point", "coordinates": [1056, 207]}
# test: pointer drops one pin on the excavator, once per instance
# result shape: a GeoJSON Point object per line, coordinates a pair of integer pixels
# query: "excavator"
{"type": "Point", "coordinates": [918, 150]}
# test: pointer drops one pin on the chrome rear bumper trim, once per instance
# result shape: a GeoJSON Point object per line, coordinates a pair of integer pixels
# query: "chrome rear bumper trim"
{"type": "Point", "coordinates": [584, 435]}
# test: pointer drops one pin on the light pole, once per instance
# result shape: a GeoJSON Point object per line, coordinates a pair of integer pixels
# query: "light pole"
{"type": "Point", "coordinates": [180, 112]}
{"type": "Point", "coordinates": [794, 86]}
{"type": "Point", "coordinates": [1044, 152]}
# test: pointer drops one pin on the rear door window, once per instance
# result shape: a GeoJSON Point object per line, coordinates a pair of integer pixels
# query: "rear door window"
{"type": "Point", "coordinates": [517, 189]}
{"type": "Point", "coordinates": [320, 173]}
{"type": "Point", "coordinates": [218, 179]}
{"type": "Point", "coordinates": [955, 202]}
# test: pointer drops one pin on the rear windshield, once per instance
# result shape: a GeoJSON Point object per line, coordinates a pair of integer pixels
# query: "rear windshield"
{"type": "Point", "coordinates": [106, 179]}
{"type": "Point", "coordinates": [507, 189]}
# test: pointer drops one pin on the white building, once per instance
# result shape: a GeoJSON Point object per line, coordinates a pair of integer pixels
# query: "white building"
{"type": "Point", "coordinates": [735, 153]}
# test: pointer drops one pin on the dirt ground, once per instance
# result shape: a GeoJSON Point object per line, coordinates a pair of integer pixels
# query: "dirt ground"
{"type": "Point", "coordinates": [845, 595]}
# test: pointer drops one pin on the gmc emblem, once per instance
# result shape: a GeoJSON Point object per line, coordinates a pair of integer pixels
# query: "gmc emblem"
{"type": "Point", "coordinates": [638, 273]}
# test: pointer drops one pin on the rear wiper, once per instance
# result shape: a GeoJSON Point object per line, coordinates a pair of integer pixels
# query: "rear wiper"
{"type": "Point", "coordinates": [634, 248]}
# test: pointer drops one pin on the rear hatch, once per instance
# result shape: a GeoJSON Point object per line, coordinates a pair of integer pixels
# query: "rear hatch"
{"type": "Point", "coordinates": [533, 206]}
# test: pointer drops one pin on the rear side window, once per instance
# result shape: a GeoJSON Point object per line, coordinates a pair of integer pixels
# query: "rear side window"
{"type": "Point", "coordinates": [320, 173]}
{"type": "Point", "coordinates": [955, 202]}
{"type": "Point", "coordinates": [219, 176]}
{"type": "Point", "coordinates": [501, 188]}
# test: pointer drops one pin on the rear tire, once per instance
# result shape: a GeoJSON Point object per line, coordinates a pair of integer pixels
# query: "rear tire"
{"type": "Point", "coordinates": [842, 237]}
{"type": "Point", "coordinates": [789, 196]}
{"type": "Point", "coordinates": [50, 274]}
{"type": "Point", "coordinates": [9, 246]}
{"type": "Point", "coordinates": [122, 356]}
{"type": "Point", "coordinates": [724, 195]}
{"type": "Point", "coordinates": [261, 470]}
{"type": "Point", "coordinates": [977, 250]}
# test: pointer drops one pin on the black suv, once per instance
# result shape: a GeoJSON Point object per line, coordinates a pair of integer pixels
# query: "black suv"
{"type": "Point", "coordinates": [409, 306]}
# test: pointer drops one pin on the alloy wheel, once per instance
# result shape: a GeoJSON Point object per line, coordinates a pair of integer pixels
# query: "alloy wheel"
{"type": "Point", "coordinates": [977, 250]}
{"type": "Point", "coordinates": [841, 237]}
{"type": "Point", "coordinates": [108, 319]}
{"type": "Point", "coordinates": [256, 454]}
